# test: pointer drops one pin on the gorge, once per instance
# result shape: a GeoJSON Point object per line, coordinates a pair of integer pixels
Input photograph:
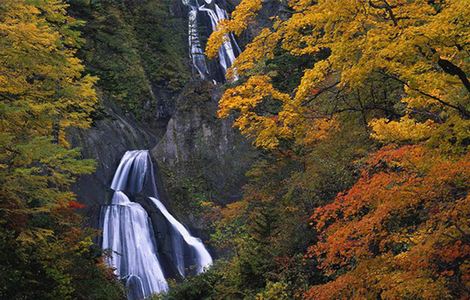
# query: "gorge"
{"type": "Point", "coordinates": [234, 149]}
{"type": "Point", "coordinates": [143, 251]}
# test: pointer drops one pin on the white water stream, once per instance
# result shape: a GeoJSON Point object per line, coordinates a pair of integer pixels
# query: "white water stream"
{"type": "Point", "coordinates": [128, 234]}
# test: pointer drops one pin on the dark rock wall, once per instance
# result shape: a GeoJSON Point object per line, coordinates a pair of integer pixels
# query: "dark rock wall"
{"type": "Point", "coordinates": [106, 141]}
{"type": "Point", "coordinates": [201, 155]}
{"type": "Point", "coordinates": [139, 50]}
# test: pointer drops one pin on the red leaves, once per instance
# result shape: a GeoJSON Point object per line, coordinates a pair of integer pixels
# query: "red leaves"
{"type": "Point", "coordinates": [314, 92]}
{"type": "Point", "coordinates": [76, 205]}
{"type": "Point", "coordinates": [408, 214]}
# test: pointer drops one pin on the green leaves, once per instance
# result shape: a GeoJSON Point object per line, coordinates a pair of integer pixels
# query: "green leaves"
{"type": "Point", "coordinates": [43, 250]}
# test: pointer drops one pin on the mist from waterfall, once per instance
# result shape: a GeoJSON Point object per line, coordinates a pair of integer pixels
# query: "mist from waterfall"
{"type": "Point", "coordinates": [128, 234]}
{"type": "Point", "coordinates": [229, 49]}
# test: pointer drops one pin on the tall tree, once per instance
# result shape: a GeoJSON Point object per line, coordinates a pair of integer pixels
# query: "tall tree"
{"type": "Point", "coordinates": [420, 47]}
{"type": "Point", "coordinates": [400, 66]}
{"type": "Point", "coordinates": [43, 92]}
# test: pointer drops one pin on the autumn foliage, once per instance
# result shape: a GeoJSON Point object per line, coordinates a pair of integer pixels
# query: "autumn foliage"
{"type": "Point", "coordinates": [401, 229]}
{"type": "Point", "coordinates": [400, 232]}
{"type": "Point", "coordinates": [45, 251]}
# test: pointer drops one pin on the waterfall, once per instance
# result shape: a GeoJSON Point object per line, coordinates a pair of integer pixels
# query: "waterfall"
{"type": "Point", "coordinates": [196, 52]}
{"type": "Point", "coordinates": [126, 232]}
{"type": "Point", "coordinates": [227, 52]}
{"type": "Point", "coordinates": [130, 174]}
{"type": "Point", "coordinates": [203, 258]}
{"type": "Point", "coordinates": [129, 237]}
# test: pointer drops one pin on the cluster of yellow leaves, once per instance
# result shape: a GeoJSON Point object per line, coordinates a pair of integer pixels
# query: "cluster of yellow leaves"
{"type": "Point", "coordinates": [268, 128]}
{"type": "Point", "coordinates": [406, 129]}
{"type": "Point", "coordinates": [422, 45]}
{"type": "Point", "coordinates": [43, 93]}
{"type": "Point", "coordinates": [41, 82]}
{"type": "Point", "coordinates": [261, 48]}
{"type": "Point", "coordinates": [401, 232]}
{"type": "Point", "coordinates": [241, 17]}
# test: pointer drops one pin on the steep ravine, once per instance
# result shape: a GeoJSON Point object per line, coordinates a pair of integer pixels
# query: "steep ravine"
{"type": "Point", "coordinates": [139, 51]}
{"type": "Point", "coordinates": [152, 98]}
{"type": "Point", "coordinates": [202, 148]}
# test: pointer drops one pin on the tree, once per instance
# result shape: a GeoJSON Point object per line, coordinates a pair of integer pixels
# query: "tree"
{"type": "Point", "coordinates": [420, 45]}
{"type": "Point", "coordinates": [401, 232]}
{"type": "Point", "coordinates": [400, 67]}
{"type": "Point", "coordinates": [43, 92]}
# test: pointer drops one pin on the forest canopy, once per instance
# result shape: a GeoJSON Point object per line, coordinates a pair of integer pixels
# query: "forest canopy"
{"type": "Point", "coordinates": [359, 111]}
{"type": "Point", "coordinates": [362, 109]}
{"type": "Point", "coordinates": [45, 251]}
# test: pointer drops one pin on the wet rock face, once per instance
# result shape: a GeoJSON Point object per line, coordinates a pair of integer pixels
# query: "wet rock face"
{"type": "Point", "coordinates": [192, 142]}
{"type": "Point", "coordinates": [198, 144]}
{"type": "Point", "coordinates": [111, 135]}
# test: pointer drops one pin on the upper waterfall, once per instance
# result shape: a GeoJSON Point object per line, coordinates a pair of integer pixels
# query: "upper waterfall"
{"type": "Point", "coordinates": [129, 236]}
{"type": "Point", "coordinates": [209, 14]}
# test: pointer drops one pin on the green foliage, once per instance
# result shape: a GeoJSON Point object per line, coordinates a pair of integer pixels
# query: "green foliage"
{"type": "Point", "coordinates": [55, 267]}
{"type": "Point", "coordinates": [274, 291]}
{"type": "Point", "coordinates": [197, 287]}
{"type": "Point", "coordinates": [187, 193]}
{"type": "Point", "coordinates": [134, 48]}
{"type": "Point", "coordinates": [264, 235]}
{"type": "Point", "coordinates": [394, 70]}
{"type": "Point", "coordinates": [44, 252]}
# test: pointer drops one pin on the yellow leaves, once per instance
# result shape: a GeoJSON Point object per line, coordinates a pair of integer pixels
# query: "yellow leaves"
{"type": "Point", "coordinates": [265, 129]}
{"type": "Point", "coordinates": [451, 136]}
{"type": "Point", "coordinates": [34, 235]}
{"type": "Point", "coordinates": [407, 129]}
{"type": "Point", "coordinates": [216, 39]}
{"type": "Point", "coordinates": [312, 78]}
{"type": "Point", "coordinates": [233, 210]}
{"type": "Point", "coordinates": [402, 43]}
{"type": "Point", "coordinates": [244, 13]}
{"type": "Point", "coordinates": [241, 17]}
{"type": "Point", "coordinates": [317, 130]}
{"type": "Point", "coordinates": [41, 73]}
{"type": "Point", "coordinates": [261, 48]}
{"type": "Point", "coordinates": [83, 246]}
{"type": "Point", "coordinates": [43, 93]}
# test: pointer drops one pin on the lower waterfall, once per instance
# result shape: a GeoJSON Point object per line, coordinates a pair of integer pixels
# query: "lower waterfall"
{"type": "Point", "coordinates": [126, 233]}
{"type": "Point", "coordinates": [203, 259]}
{"type": "Point", "coordinates": [130, 239]}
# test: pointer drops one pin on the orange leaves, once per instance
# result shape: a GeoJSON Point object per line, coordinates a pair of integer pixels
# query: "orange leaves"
{"type": "Point", "coordinates": [401, 232]}
{"type": "Point", "coordinates": [409, 214]}
{"type": "Point", "coordinates": [76, 205]}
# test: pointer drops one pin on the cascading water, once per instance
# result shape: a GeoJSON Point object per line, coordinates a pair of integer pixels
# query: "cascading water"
{"type": "Point", "coordinates": [129, 236]}
{"type": "Point", "coordinates": [203, 258]}
{"type": "Point", "coordinates": [195, 49]}
{"type": "Point", "coordinates": [227, 52]}
{"type": "Point", "coordinates": [126, 233]}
